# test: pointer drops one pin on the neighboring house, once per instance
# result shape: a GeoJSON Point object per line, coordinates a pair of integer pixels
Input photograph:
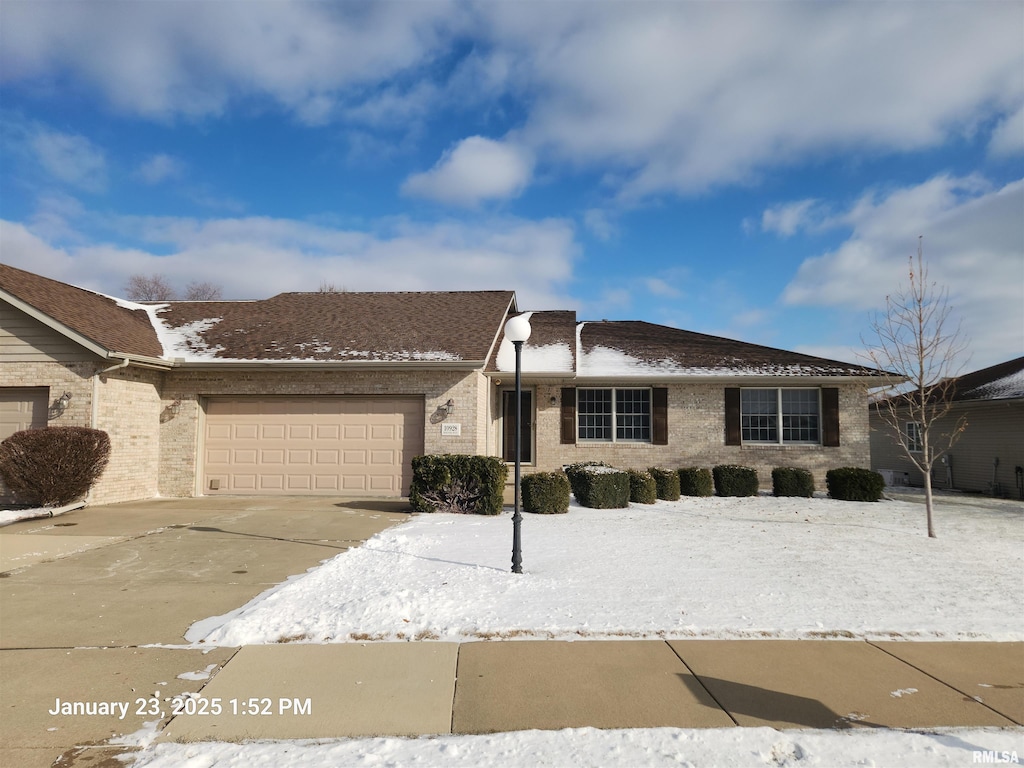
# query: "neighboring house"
{"type": "Point", "coordinates": [334, 393]}
{"type": "Point", "coordinates": [989, 455]}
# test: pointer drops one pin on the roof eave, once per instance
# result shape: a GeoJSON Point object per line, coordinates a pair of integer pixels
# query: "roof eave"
{"type": "Point", "coordinates": [345, 365]}
{"type": "Point", "coordinates": [55, 325]}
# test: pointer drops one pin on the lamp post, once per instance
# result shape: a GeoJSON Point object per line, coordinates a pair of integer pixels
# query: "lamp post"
{"type": "Point", "coordinates": [517, 330]}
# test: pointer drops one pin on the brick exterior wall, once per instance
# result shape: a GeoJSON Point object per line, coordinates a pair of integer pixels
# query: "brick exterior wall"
{"type": "Point", "coordinates": [696, 437]}
{"type": "Point", "coordinates": [126, 409]}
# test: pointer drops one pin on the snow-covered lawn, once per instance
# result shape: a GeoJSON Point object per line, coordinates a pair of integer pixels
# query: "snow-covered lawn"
{"type": "Point", "coordinates": [591, 748]}
{"type": "Point", "coordinates": [698, 567]}
{"type": "Point", "coordinates": [709, 567]}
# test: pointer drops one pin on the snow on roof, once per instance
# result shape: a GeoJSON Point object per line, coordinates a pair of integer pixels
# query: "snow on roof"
{"type": "Point", "coordinates": [556, 357]}
{"type": "Point", "coordinates": [1008, 387]}
{"type": "Point", "coordinates": [1004, 381]}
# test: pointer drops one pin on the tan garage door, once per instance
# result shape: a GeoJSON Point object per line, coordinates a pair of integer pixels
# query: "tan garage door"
{"type": "Point", "coordinates": [22, 409]}
{"type": "Point", "coordinates": [324, 445]}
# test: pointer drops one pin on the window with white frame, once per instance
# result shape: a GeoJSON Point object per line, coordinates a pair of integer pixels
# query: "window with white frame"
{"type": "Point", "coordinates": [914, 442]}
{"type": "Point", "coordinates": [614, 415]}
{"type": "Point", "coordinates": [780, 416]}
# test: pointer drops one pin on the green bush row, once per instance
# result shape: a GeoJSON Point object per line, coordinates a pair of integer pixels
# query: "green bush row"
{"type": "Point", "coordinates": [601, 486]}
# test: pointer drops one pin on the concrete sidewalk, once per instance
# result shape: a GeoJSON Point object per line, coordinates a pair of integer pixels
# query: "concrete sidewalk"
{"type": "Point", "coordinates": [72, 631]}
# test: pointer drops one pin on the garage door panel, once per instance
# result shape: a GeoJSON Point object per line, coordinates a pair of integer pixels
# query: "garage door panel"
{"type": "Point", "coordinates": [328, 431]}
{"type": "Point", "coordinates": [271, 456]}
{"type": "Point", "coordinates": [271, 482]}
{"type": "Point", "coordinates": [219, 432]}
{"type": "Point", "coordinates": [378, 458]}
{"type": "Point", "coordinates": [327, 457]}
{"type": "Point", "coordinates": [326, 482]}
{"type": "Point", "coordinates": [272, 431]}
{"type": "Point", "coordinates": [354, 432]}
{"type": "Point", "coordinates": [327, 444]}
{"type": "Point", "coordinates": [299, 482]}
{"type": "Point", "coordinates": [244, 457]}
{"type": "Point", "coordinates": [300, 431]}
{"type": "Point", "coordinates": [354, 458]}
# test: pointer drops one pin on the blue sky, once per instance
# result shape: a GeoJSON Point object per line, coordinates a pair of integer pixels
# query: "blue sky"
{"type": "Point", "coordinates": [754, 170]}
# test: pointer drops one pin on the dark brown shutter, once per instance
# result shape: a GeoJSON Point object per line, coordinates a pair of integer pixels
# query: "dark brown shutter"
{"type": "Point", "coordinates": [830, 417]}
{"type": "Point", "coordinates": [568, 416]}
{"type": "Point", "coordinates": [659, 416]}
{"type": "Point", "coordinates": [733, 436]}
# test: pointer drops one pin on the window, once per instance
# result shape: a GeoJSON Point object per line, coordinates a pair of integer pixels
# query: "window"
{"type": "Point", "coordinates": [914, 442]}
{"type": "Point", "coordinates": [780, 416]}
{"type": "Point", "coordinates": [614, 415]}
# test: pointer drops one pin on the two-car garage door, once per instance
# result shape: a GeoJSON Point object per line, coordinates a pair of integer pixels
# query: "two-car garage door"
{"type": "Point", "coordinates": [325, 445]}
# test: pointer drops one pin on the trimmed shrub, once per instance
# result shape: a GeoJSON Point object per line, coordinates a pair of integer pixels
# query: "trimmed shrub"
{"type": "Point", "coordinates": [575, 472]}
{"type": "Point", "coordinates": [54, 466]}
{"type": "Point", "coordinates": [667, 483]}
{"type": "Point", "coordinates": [792, 481]}
{"type": "Point", "coordinates": [599, 486]}
{"type": "Point", "coordinates": [734, 480]}
{"type": "Point", "coordinates": [458, 483]}
{"type": "Point", "coordinates": [642, 487]}
{"type": "Point", "coordinates": [545, 493]}
{"type": "Point", "coordinates": [695, 481]}
{"type": "Point", "coordinates": [854, 484]}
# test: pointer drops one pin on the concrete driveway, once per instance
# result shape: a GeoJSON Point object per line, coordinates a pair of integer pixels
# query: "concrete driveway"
{"type": "Point", "coordinates": [81, 594]}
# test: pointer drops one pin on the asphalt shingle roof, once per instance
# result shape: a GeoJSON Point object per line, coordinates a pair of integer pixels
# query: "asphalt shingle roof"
{"type": "Point", "coordinates": [371, 327]}
{"type": "Point", "coordinates": [99, 318]}
{"type": "Point", "coordinates": [657, 348]}
{"type": "Point", "coordinates": [1004, 381]}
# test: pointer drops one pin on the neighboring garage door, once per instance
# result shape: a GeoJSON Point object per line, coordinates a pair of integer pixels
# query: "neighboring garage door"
{"type": "Point", "coordinates": [22, 409]}
{"type": "Point", "coordinates": [323, 445]}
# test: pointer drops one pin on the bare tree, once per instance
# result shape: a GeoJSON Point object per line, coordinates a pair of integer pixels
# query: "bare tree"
{"type": "Point", "coordinates": [918, 347]}
{"type": "Point", "coordinates": [149, 288]}
{"type": "Point", "coordinates": [196, 291]}
{"type": "Point", "coordinates": [326, 287]}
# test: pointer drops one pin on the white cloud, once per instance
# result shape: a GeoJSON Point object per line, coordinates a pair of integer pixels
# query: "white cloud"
{"type": "Point", "coordinates": [661, 97]}
{"type": "Point", "coordinates": [258, 257]}
{"type": "Point", "coordinates": [71, 158]}
{"type": "Point", "coordinates": [600, 223]}
{"type": "Point", "coordinates": [681, 97]}
{"type": "Point", "coordinates": [787, 218]}
{"type": "Point", "coordinates": [474, 170]}
{"type": "Point", "coordinates": [158, 168]}
{"type": "Point", "coordinates": [973, 245]}
{"type": "Point", "coordinates": [168, 59]}
{"type": "Point", "coordinates": [1008, 137]}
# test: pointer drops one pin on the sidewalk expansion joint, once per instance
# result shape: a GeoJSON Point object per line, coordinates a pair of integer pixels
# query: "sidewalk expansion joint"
{"type": "Point", "coordinates": [697, 678]}
{"type": "Point", "coordinates": [943, 682]}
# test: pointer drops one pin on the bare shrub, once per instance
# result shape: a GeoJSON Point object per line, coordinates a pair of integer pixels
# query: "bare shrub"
{"type": "Point", "coordinates": [53, 466]}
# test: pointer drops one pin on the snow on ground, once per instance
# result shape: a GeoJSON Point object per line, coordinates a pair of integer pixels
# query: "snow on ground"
{"type": "Point", "coordinates": [721, 748]}
{"type": "Point", "coordinates": [8, 516]}
{"type": "Point", "coordinates": [700, 567]}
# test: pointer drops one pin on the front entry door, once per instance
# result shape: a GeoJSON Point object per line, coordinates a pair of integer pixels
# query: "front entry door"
{"type": "Point", "coordinates": [508, 411]}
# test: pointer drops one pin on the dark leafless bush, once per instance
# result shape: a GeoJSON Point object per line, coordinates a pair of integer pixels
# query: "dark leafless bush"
{"type": "Point", "coordinates": [53, 466]}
